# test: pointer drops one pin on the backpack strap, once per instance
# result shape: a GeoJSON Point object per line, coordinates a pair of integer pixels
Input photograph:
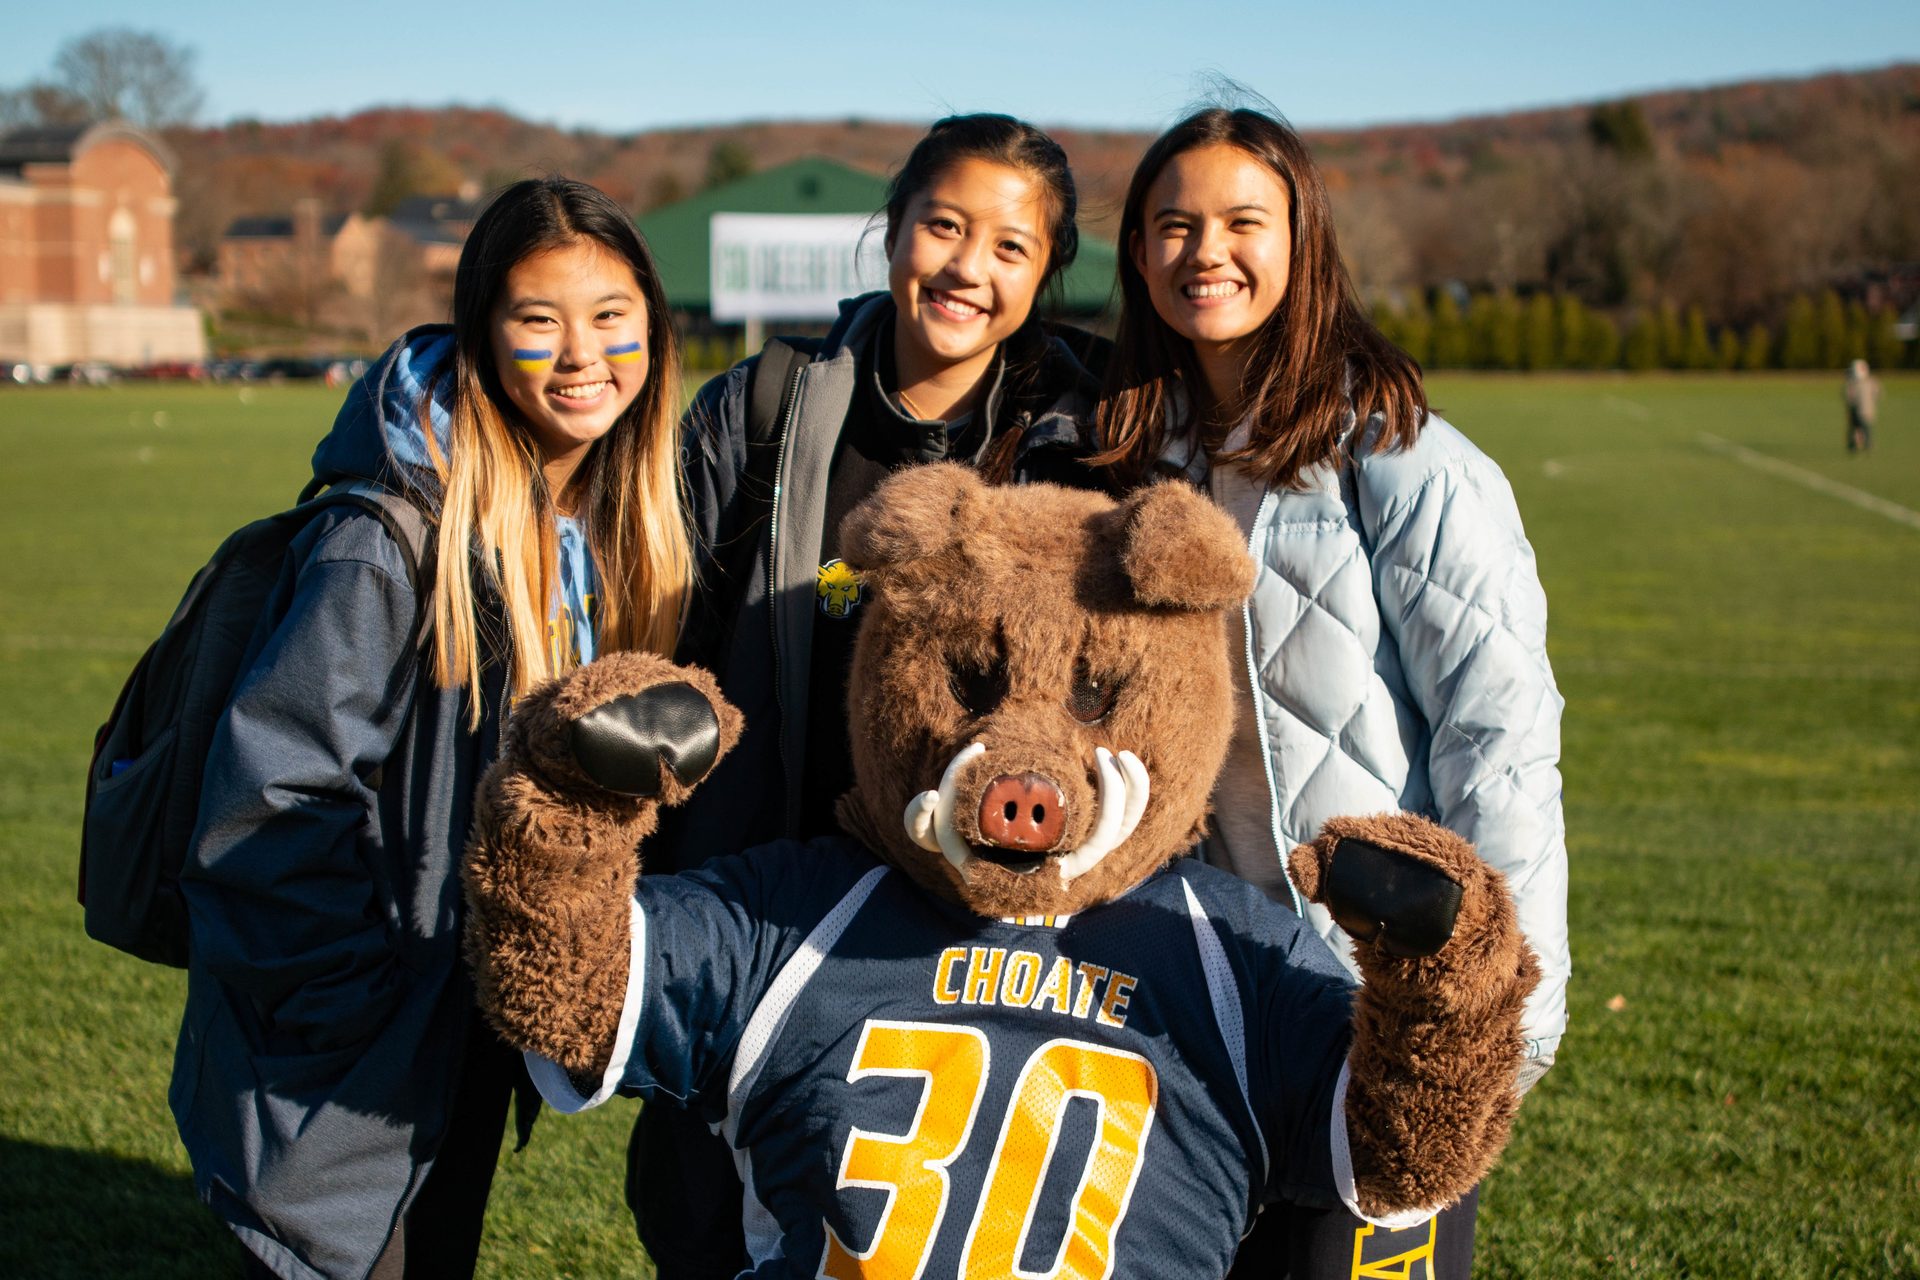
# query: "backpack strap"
{"type": "Point", "coordinates": [772, 385]}
{"type": "Point", "coordinates": [773, 381]}
{"type": "Point", "coordinates": [770, 388]}
{"type": "Point", "coordinates": [410, 530]}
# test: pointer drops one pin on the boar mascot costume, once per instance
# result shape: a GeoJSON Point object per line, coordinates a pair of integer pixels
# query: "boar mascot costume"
{"type": "Point", "coordinates": [1007, 1028]}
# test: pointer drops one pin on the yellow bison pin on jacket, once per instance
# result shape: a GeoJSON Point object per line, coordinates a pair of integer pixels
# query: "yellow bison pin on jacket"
{"type": "Point", "coordinates": [1004, 1027]}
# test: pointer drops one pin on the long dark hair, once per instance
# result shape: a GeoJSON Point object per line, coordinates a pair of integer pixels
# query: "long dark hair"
{"type": "Point", "coordinates": [1316, 357]}
{"type": "Point", "coordinates": [1000, 140]}
{"type": "Point", "coordinates": [493, 491]}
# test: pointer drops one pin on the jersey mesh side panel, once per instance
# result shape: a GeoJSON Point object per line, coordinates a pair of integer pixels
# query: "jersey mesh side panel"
{"type": "Point", "coordinates": [1225, 994]}
{"type": "Point", "coordinates": [762, 1232]}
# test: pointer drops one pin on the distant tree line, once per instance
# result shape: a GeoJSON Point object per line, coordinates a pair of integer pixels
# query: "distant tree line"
{"type": "Point", "coordinates": [1747, 207]}
{"type": "Point", "coordinates": [1734, 226]}
{"type": "Point", "coordinates": [1501, 330]}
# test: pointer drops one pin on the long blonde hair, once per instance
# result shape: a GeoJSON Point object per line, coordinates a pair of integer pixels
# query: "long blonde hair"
{"type": "Point", "coordinates": [496, 518]}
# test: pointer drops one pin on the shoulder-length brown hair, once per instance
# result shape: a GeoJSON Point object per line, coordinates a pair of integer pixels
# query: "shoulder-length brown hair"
{"type": "Point", "coordinates": [1317, 356]}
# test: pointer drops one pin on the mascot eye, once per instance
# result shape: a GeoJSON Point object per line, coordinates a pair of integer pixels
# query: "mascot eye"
{"type": "Point", "coordinates": [976, 689]}
{"type": "Point", "coordinates": [1092, 696]}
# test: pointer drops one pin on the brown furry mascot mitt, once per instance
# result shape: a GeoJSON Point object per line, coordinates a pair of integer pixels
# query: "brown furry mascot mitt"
{"type": "Point", "coordinates": [1004, 1026]}
{"type": "Point", "coordinates": [1437, 1033]}
{"type": "Point", "coordinates": [555, 850]}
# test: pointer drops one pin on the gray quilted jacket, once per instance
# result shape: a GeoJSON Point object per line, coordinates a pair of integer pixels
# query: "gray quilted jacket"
{"type": "Point", "coordinates": [1397, 638]}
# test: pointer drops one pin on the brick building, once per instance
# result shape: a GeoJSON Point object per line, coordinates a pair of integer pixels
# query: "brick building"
{"type": "Point", "coordinates": [86, 249]}
{"type": "Point", "coordinates": [304, 264]}
{"type": "Point", "coordinates": [303, 254]}
{"type": "Point", "coordinates": [439, 225]}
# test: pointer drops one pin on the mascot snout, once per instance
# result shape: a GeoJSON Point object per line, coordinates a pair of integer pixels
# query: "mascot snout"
{"type": "Point", "coordinates": [1024, 812]}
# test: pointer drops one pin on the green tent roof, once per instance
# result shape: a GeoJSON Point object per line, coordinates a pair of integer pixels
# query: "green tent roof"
{"type": "Point", "coordinates": [679, 233]}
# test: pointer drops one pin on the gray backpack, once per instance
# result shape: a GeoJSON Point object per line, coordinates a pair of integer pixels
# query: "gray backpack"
{"type": "Point", "coordinates": [143, 784]}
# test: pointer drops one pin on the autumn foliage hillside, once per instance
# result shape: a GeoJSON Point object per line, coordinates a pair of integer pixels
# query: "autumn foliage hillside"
{"type": "Point", "coordinates": [1733, 198]}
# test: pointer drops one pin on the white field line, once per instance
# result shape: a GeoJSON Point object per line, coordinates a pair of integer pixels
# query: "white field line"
{"type": "Point", "coordinates": [1813, 480]}
{"type": "Point", "coordinates": [1632, 408]}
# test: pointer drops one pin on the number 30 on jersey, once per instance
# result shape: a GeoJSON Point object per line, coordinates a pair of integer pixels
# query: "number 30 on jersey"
{"type": "Point", "coordinates": [951, 1062]}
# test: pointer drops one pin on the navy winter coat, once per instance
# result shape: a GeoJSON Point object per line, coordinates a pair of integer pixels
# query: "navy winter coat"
{"type": "Point", "coordinates": [327, 1005]}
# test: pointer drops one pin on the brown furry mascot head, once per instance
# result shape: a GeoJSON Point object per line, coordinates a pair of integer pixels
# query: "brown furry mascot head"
{"type": "Point", "coordinates": [1034, 665]}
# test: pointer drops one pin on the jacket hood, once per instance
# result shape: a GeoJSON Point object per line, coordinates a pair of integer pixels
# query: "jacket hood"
{"type": "Point", "coordinates": [1053, 391]}
{"type": "Point", "coordinates": [378, 434]}
{"type": "Point", "coordinates": [856, 320]}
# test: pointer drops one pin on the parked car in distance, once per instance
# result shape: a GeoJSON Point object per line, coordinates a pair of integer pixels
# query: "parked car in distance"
{"type": "Point", "coordinates": [346, 370]}
{"type": "Point", "coordinates": [170, 371]}
{"type": "Point", "coordinates": [85, 373]}
{"type": "Point", "coordinates": [233, 370]}
{"type": "Point", "coordinates": [281, 368]}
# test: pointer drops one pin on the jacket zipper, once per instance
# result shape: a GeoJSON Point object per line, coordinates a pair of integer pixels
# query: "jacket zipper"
{"type": "Point", "coordinates": [792, 400]}
{"type": "Point", "coordinates": [1267, 502]}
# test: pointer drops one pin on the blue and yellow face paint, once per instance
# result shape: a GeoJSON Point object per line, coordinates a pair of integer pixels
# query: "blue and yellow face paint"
{"type": "Point", "coordinates": [625, 353]}
{"type": "Point", "coordinates": [532, 360]}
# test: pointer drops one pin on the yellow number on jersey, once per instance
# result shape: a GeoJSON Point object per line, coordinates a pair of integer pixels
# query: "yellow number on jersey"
{"type": "Point", "coordinates": [912, 1167]}
{"type": "Point", "coordinates": [1414, 1244]}
{"type": "Point", "coordinates": [1124, 1087]}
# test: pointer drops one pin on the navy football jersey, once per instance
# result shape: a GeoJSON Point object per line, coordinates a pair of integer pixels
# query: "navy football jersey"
{"type": "Point", "coordinates": [911, 1090]}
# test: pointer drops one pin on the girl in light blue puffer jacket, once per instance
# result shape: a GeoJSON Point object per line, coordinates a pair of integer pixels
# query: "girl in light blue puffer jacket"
{"type": "Point", "coordinates": [1395, 645]}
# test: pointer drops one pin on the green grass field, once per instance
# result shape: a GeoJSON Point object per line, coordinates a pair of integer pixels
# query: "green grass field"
{"type": "Point", "coordinates": [1740, 653]}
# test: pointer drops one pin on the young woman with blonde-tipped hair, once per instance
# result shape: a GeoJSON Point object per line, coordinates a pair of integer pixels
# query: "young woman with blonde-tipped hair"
{"type": "Point", "coordinates": [341, 1099]}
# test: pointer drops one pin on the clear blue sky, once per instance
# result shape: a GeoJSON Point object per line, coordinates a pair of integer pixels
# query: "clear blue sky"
{"type": "Point", "coordinates": [1126, 63]}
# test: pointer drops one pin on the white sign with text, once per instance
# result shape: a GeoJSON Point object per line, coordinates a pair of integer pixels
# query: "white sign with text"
{"type": "Point", "coordinates": [792, 266]}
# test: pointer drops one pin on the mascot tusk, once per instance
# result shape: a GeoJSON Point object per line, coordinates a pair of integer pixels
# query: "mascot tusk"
{"type": "Point", "coordinates": [935, 809]}
{"type": "Point", "coordinates": [919, 820]}
{"type": "Point", "coordinates": [1123, 799]}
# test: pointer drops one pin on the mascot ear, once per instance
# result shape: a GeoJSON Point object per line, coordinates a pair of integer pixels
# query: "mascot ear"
{"type": "Point", "coordinates": [1183, 552]}
{"type": "Point", "coordinates": [914, 514]}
